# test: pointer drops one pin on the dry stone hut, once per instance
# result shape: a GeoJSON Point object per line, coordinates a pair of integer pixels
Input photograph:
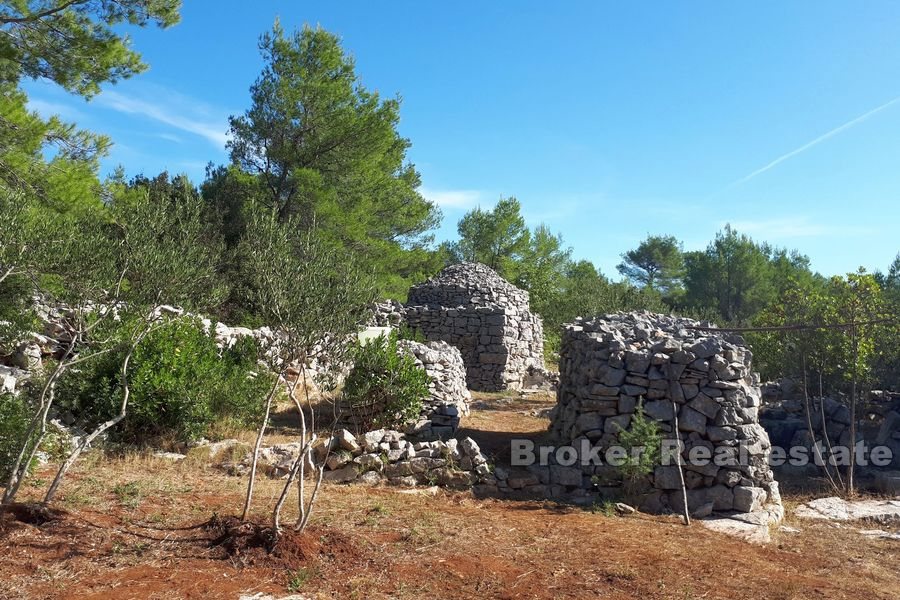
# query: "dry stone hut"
{"type": "Point", "coordinates": [448, 398]}
{"type": "Point", "coordinates": [610, 364]}
{"type": "Point", "coordinates": [474, 309]}
{"type": "Point", "coordinates": [447, 401]}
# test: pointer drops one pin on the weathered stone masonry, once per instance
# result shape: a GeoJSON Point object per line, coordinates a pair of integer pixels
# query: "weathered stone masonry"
{"type": "Point", "coordinates": [610, 364]}
{"type": "Point", "coordinates": [472, 308]}
{"type": "Point", "coordinates": [448, 398]}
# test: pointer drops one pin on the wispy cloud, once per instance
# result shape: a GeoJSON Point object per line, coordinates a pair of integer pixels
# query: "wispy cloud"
{"type": "Point", "coordinates": [171, 137]}
{"type": "Point", "coordinates": [453, 199]}
{"type": "Point", "coordinates": [818, 140]}
{"type": "Point", "coordinates": [551, 212]}
{"type": "Point", "coordinates": [793, 227]}
{"type": "Point", "coordinates": [47, 109]}
{"type": "Point", "coordinates": [175, 111]}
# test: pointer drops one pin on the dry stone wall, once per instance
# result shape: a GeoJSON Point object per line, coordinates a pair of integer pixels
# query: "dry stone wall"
{"type": "Point", "coordinates": [609, 365]}
{"type": "Point", "coordinates": [447, 401]}
{"type": "Point", "coordinates": [381, 456]}
{"type": "Point", "coordinates": [448, 397]}
{"type": "Point", "coordinates": [475, 310]}
{"type": "Point", "coordinates": [783, 415]}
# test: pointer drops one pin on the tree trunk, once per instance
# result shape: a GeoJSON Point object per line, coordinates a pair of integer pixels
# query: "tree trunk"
{"type": "Point", "coordinates": [257, 445]}
{"type": "Point", "coordinates": [811, 429]}
{"type": "Point", "coordinates": [123, 410]}
{"type": "Point", "coordinates": [17, 473]}
{"type": "Point", "coordinates": [851, 484]}
{"type": "Point", "coordinates": [687, 511]}
{"type": "Point", "coordinates": [297, 464]}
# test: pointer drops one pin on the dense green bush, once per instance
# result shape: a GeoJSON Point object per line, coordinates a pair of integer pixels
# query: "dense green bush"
{"type": "Point", "coordinates": [15, 414]}
{"type": "Point", "coordinates": [181, 384]}
{"type": "Point", "coordinates": [385, 388]}
{"type": "Point", "coordinates": [16, 312]}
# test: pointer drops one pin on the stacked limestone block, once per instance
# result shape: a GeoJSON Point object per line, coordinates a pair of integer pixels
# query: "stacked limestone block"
{"type": "Point", "coordinates": [389, 313]}
{"type": "Point", "coordinates": [387, 456]}
{"type": "Point", "coordinates": [448, 398]}
{"type": "Point", "coordinates": [381, 456]}
{"type": "Point", "coordinates": [783, 414]}
{"type": "Point", "coordinates": [472, 308]}
{"type": "Point", "coordinates": [610, 364]}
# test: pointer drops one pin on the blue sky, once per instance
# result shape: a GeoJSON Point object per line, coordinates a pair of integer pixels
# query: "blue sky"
{"type": "Point", "coordinates": [608, 121]}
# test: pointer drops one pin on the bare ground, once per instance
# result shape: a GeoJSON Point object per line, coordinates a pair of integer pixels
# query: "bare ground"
{"type": "Point", "coordinates": [143, 527]}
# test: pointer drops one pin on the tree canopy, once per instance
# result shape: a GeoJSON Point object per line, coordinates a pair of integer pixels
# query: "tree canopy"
{"type": "Point", "coordinates": [321, 149]}
{"type": "Point", "coordinates": [657, 263]}
{"type": "Point", "coordinates": [495, 237]}
{"type": "Point", "coordinates": [74, 43]}
{"type": "Point", "coordinates": [732, 277]}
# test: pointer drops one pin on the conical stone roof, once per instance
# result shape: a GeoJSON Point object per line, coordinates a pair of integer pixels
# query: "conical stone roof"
{"type": "Point", "coordinates": [467, 284]}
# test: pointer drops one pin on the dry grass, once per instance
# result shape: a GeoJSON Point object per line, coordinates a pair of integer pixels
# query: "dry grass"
{"type": "Point", "coordinates": [125, 537]}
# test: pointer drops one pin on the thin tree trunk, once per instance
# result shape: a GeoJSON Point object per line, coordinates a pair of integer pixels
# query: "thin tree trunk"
{"type": "Point", "coordinates": [307, 507]}
{"type": "Point", "coordinates": [17, 473]}
{"type": "Point", "coordinates": [256, 446]}
{"type": "Point", "coordinates": [851, 485]}
{"type": "Point", "coordinates": [296, 466]}
{"type": "Point", "coordinates": [837, 471]}
{"type": "Point", "coordinates": [684, 498]}
{"type": "Point", "coordinates": [6, 274]}
{"type": "Point", "coordinates": [123, 411]}
{"type": "Point", "coordinates": [811, 429]}
{"type": "Point", "coordinates": [301, 484]}
{"type": "Point", "coordinates": [312, 499]}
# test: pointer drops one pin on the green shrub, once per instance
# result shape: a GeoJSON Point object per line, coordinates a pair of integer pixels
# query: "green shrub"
{"type": "Point", "coordinates": [16, 312]}
{"type": "Point", "coordinates": [552, 345]}
{"type": "Point", "coordinates": [642, 442]}
{"type": "Point", "coordinates": [15, 414]}
{"type": "Point", "coordinates": [385, 388]}
{"type": "Point", "coordinates": [181, 384]}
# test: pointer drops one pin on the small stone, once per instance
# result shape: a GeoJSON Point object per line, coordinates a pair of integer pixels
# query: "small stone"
{"type": "Point", "coordinates": [703, 511]}
{"type": "Point", "coordinates": [336, 460]}
{"type": "Point", "coordinates": [372, 439]}
{"type": "Point", "coordinates": [666, 478]}
{"type": "Point", "coordinates": [173, 456]}
{"type": "Point", "coordinates": [347, 441]}
{"type": "Point", "coordinates": [568, 476]}
{"type": "Point", "coordinates": [661, 410]}
{"type": "Point", "coordinates": [624, 509]}
{"type": "Point", "coordinates": [691, 420]}
{"type": "Point", "coordinates": [369, 478]}
{"type": "Point", "coordinates": [469, 447]}
{"type": "Point", "coordinates": [748, 499]}
{"type": "Point", "coordinates": [369, 462]}
{"type": "Point", "coordinates": [343, 475]}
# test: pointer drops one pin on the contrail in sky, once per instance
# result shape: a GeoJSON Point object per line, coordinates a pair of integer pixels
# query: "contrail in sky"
{"type": "Point", "coordinates": [818, 140]}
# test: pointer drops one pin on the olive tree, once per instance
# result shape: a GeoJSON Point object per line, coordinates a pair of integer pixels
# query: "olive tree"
{"type": "Point", "coordinates": [78, 275]}
{"type": "Point", "coordinates": [166, 256]}
{"type": "Point", "coordinates": [314, 300]}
